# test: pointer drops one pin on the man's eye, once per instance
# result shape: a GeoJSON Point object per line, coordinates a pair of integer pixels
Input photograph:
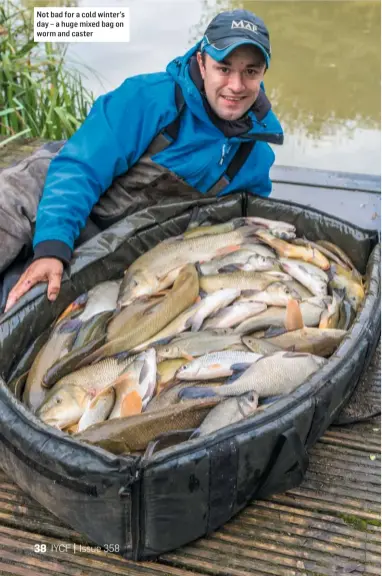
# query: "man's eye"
{"type": "Point", "coordinates": [251, 72]}
{"type": "Point", "coordinates": [224, 69]}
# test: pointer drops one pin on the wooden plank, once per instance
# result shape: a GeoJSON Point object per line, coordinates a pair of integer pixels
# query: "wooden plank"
{"type": "Point", "coordinates": [326, 179]}
{"type": "Point", "coordinates": [317, 534]}
{"type": "Point", "coordinates": [71, 560]}
{"type": "Point", "coordinates": [360, 208]}
{"type": "Point", "coordinates": [326, 551]}
{"type": "Point", "coordinates": [302, 500]}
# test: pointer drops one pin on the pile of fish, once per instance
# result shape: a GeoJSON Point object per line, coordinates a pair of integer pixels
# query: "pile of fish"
{"type": "Point", "coordinates": [204, 330]}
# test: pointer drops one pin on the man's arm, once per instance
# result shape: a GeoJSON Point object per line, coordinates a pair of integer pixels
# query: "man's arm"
{"type": "Point", "coordinates": [117, 131]}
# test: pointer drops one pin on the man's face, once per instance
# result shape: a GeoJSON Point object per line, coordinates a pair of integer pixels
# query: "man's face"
{"type": "Point", "coordinates": [232, 85]}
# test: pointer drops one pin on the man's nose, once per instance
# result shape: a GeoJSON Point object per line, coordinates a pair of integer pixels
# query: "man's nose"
{"type": "Point", "coordinates": [236, 82]}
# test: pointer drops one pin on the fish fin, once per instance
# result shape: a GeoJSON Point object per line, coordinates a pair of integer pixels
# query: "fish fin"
{"type": "Point", "coordinates": [195, 434]}
{"type": "Point", "coordinates": [131, 404]}
{"type": "Point", "coordinates": [162, 341]}
{"type": "Point", "coordinates": [293, 316]}
{"type": "Point", "coordinates": [197, 218]}
{"type": "Point", "coordinates": [166, 440]}
{"type": "Point", "coordinates": [339, 293]}
{"type": "Point", "coordinates": [72, 325]}
{"type": "Point", "coordinates": [229, 268]}
{"type": "Point", "coordinates": [191, 393]}
{"type": "Point", "coordinates": [77, 305]}
{"type": "Point", "coordinates": [270, 399]}
{"type": "Point", "coordinates": [144, 372]}
{"type": "Point", "coordinates": [187, 356]}
{"type": "Point", "coordinates": [188, 323]}
{"type": "Point", "coordinates": [122, 356]}
{"type": "Point", "coordinates": [275, 331]}
{"type": "Point", "coordinates": [160, 293]}
{"type": "Point", "coordinates": [240, 366]}
{"type": "Point", "coordinates": [331, 272]}
{"type": "Point", "coordinates": [249, 293]}
{"type": "Point", "coordinates": [203, 294]}
{"type": "Point", "coordinates": [228, 249]}
{"type": "Point", "coordinates": [235, 376]}
{"type": "Point", "coordinates": [289, 354]}
{"type": "Point", "coordinates": [198, 269]}
{"type": "Point", "coordinates": [196, 324]}
{"type": "Point", "coordinates": [239, 223]}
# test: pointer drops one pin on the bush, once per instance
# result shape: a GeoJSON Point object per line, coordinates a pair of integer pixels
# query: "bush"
{"type": "Point", "coordinates": [39, 95]}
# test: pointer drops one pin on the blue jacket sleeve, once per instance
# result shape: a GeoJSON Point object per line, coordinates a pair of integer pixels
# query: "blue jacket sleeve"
{"type": "Point", "coordinates": [115, 134]}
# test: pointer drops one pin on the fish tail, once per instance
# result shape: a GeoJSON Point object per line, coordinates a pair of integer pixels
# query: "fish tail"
{"type": "Point", "coordinates": [191, 393]}
{"type": "Point", "coordinates": [331, 272]}
{"type": "Point", "coordinates": [72, 325]}
{"type": "Point", "coordinates": [198, 269]}
{"type": "Point", "coordinates": [235, 376]}
{"type": "Point", "coordinates": [197, 218]}
{"type": "Point", "coordinates": [293, 316]}
{"type": "Point", "coordinates": [78, 304]}
{"type": "Point", "coordinates": [239, 223]}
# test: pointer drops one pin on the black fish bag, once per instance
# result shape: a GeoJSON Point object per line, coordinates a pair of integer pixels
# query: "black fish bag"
{"type": "Point", "coordinates": [142, 506]}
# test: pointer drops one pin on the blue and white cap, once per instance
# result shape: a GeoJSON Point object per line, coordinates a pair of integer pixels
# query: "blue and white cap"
{"type": "Point", "coordinates": [229, 30]}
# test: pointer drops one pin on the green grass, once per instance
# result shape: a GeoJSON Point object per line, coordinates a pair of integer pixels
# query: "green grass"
{"type": "Point", "coordinates": [39, 95]}
{"type": "Point", "coordinates": [358, 523]}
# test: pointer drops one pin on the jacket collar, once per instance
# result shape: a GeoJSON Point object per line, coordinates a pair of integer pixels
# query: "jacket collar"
{"type": "Point", "coordinates": [239, 127]}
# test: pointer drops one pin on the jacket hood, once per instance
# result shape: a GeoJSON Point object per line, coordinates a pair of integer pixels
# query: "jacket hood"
{"type": "Point", "coordinates": [265, 125]}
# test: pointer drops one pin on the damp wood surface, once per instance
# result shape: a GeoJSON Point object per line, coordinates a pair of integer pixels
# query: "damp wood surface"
{"type": "Point", "coordinates": [328, 526]}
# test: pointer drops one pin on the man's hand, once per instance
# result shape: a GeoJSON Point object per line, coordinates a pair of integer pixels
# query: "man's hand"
{"type": "Point", "coordinates": [43, 270]}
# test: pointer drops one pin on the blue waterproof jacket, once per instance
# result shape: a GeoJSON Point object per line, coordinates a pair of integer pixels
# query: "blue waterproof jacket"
{"type": "Point", "coordinates": [117, 132]}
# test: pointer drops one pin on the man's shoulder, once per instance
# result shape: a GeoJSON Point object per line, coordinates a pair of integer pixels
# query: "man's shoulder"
{"type": "Point", "coordinates": [149, 85]}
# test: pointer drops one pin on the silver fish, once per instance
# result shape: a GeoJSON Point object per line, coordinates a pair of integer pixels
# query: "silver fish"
{"type": "Point", "coordinates": [311, 311]}
{"type": "Point", "coordinates": [309, 275]}
{"type": "Point", "coordinates": [277, 294]}
{"type": "Point", "coordinates": [241, 259]}
{"type": "Point", "coordinates": [278, 374]}
{"type": "Point", "coordinates": [159, 267]}
{"type": "Point", "coordinates": [242, 280]}
{"type": "Point", "coordinates": [217, 365]}
{"type": "Point", "coordinates": [228, 412]}
{"type": "Point", "coordinates": [191, 344]}
{"type": "Point", "coordinates": [98, 409]}
{"type": "Point", "coordinates": [234, 315]}
{"type": "Point", "coordinates": [278, 228]}
{"type": "Point", "coordinates": [212, 303]}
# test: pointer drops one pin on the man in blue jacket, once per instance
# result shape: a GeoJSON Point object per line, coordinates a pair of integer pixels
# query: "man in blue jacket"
{"type": "Point", "coordinates": [205, 120]}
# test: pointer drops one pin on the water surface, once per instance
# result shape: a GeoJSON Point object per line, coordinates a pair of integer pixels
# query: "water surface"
{"type": "Point", "coordinates": [323, 82]}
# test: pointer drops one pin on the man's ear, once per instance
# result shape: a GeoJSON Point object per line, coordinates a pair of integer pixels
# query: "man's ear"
{"type": "Point", "coordinates": [201, 65]}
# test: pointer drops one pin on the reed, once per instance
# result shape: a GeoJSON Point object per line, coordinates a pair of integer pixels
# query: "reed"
{"type": "Point", "coordinates": [40, 96]}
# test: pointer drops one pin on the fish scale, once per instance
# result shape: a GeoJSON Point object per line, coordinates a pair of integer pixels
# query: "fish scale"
{"type": "Point", "coordinates": [280, 373]}
{"type": "Point", "coordinates": [159, 267]}
{"type": "Point", "coordinates": [124, 435]}
{"type": "Point", "coordinates": [216, 364]}
{"type": "Point", "coordinates": [97, 376]}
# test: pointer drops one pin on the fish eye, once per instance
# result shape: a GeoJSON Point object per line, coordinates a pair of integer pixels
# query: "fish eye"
{"type": "Point", "coordinates": [58, 400]}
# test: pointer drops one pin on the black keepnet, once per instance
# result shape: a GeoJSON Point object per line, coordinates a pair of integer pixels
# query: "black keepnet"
{"type": "Point", "coordinates": [150, 505]}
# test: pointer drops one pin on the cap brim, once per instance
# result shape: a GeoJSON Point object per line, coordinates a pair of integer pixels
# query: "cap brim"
{"type": "Point", "coordinates": [222, 48]}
